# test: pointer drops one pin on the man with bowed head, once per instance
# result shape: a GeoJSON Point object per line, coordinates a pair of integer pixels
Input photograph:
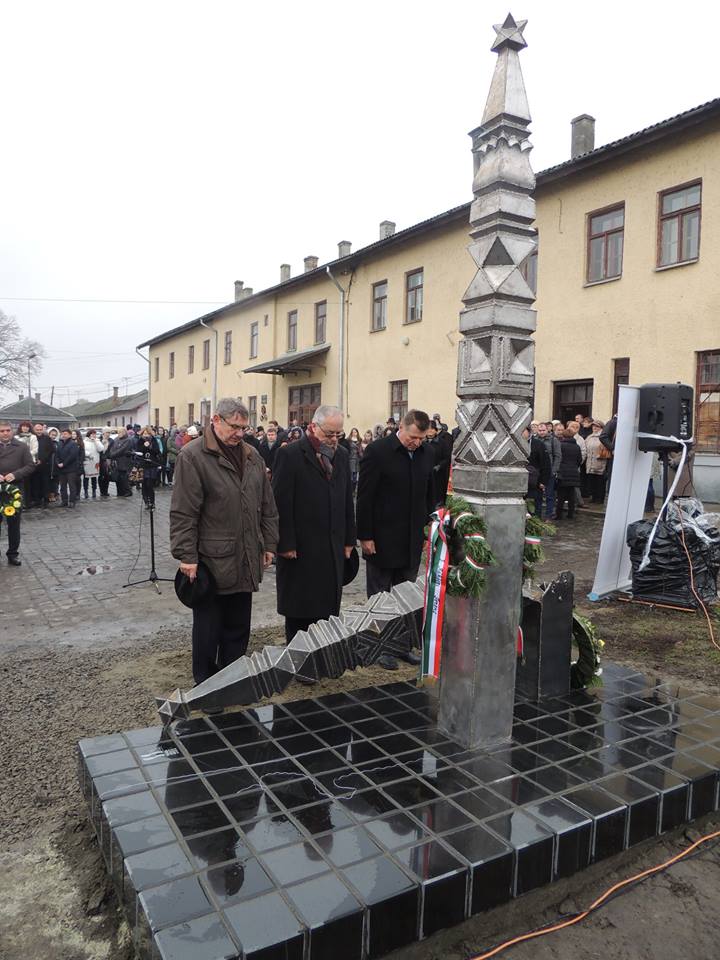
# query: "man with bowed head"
{"type": "Point", "coordinates": [395, 499]}
{"type": "Point", "coordinates": [313, 490]}
{"type": "Point", "coordinates": [16, 465]}
{"type": "Point", "coordinates": [222, 512]}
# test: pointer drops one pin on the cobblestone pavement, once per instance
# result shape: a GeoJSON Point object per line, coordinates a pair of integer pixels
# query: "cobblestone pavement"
{"type": "Point", "coordinates": [70, 588]}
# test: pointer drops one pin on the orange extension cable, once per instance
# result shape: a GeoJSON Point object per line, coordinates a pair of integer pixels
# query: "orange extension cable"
{"type": "Point", "coordinates": [596, 903]}
{"type": "Point", "coordinates": [692, 585]}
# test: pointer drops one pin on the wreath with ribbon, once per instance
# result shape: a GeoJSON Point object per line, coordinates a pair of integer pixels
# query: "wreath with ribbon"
{"type": "Point", "coordinates": [586, 670]}
{"type": "Point", "coordinates": [470, 554]}
{"type": "Point", "coordinates": [535, 530]}
{"type": "Point", "coordinates": [10, 499]}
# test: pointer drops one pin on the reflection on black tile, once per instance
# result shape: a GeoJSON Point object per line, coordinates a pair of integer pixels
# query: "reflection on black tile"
{"type": "Point", "coordinates": [266, 929]}
{"type": "Point", "coordinates": [217, 762]}
{"type": "Point", "coordinates": [217, 847]}
{"type": "Point", "coordinates": [393, 901]}
{"type": "Point", "coordinates": [203, 938]}
{"type": "Point", "coordinates": [342, 781]}
{"type": "Point", "coordinates": [674, 792]}
{"type": "Point", "coordinates": [609, 816]}
{"type": "Point", "coordinates": [319, 721]}
{"type": "Point", "coordinates": [321, 762]}
{"type": "Point", "coordinates": [349, 846]}
{"type": "Point", "coordinates": [550, 751]}
{"type": "Point", "coordinates": [379, 771]}
{"type": "Point", "coordinates": [301, 744]}
{"type": "Point", "coordinates": [334, 916]}
{"type": "Point", "coordinates": [396, 830]}
{"type": "Point", "coordinates": [119, 784]}
{"type": "Point", "coordinates": [481, 803]}
{"type": "Point", "coordinates": [368, 804]}
{"type": "Point", "coordinates": [439, 816]}
{"type": "Point", "coordinates": [409, 720]}
{"type": "Point", "coordinates": [643, 805]}
{"type": "Point", "coordinates": [409, 793]}
{"type": "Point", "coordinates": [151, 867]}
{"type": "Point", "coordinates": [573, 830]}
{"type": "Point", "coordinates": [259, 752]}
{"type": "Point", "coordinates": [360, 751]}
{"type": "Point", "coordinates": [374, 728]}
{"type": "Point", "coordinates": [704, 781]}
{"type": "Point", "coordinates": [271, 832]}
{"type": "Point", "coordinates": [298, 793]}
{"type": "Point", "coordinates": [351, 713]}
{"type": "Point", "coordinates": [448, 781]}
{"type": "Point", "coordinates": [322, 817]}
{"type": "Point", "coordinates": [239, 880]}
{"type": "Point", "coordinates": [174, 902]}
{"type": "Point", "coordinates": [492, 865]}
{"type": "Point", "coordinates": [444, 879]}
{"type": "Point", "coordinates": [176, 793]}
{"type": "Point", "coordinates": [534, 845]}
{"type": "Point", "coordinates": [388, 705]}
{"type": "Point", "coordinates": [277, 771]}
{"type": "Point", "coordinates": [113, 762]}
{"type": "Point", "coordinates": [485, 769]}
{"type": "Point", "coordinates": [203, 743]}
{"type": "Point", "coordinates": [337, 737]}
{"type": "Point", "coordinates": [518, 790]}
{"type": "Point", "coordinates": [200, 819]}
{"type": "Point", "coordinates": [142, 835]}
{"type": "Point", "coordinates": [135, 806]}
{"type": "Point", "coordinates": [284, 727]}
{"type": "Point", "coordinates": [294, 863]}
{"type": "Point", "coordinates": [232, 782]}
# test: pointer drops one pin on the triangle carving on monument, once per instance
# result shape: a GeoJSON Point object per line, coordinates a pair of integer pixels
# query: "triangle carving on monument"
{"type": "Point", "coordinates": [497, 255]}
{"type": "Point", "coordinates": [498, 275]}
{"type": "Point", "coordinates": [519, 248]}
{"type": "Point", "coordinates": [523, 359]}
{"type": "Point", "coordinates": [515, 285]}
{"type": "Point", "coordinates": [479, 287]}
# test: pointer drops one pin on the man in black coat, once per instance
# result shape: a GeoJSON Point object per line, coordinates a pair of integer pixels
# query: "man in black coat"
{"type": "Point", "coordinates": [40, 480]}
{"type": "Point", "coordinates": [269, 446]}
{"type": "Point", "coordinates": [68, 461]}
{"type": "Point", "coordinates": [539, 468]}
{"type": "Point", "coordinates": [395, 498]}
{"type": "Point", "coordinates": [313, 492]}
{"type": "Point", "coordinates": [16, 465]}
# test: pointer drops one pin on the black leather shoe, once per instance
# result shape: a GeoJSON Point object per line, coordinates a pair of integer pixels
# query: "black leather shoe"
{"type": "Point", "coordinates": [387, 662]}
{"type": "Point", "coordinates": [411, 657]}
{"type": "Point", "coordinates": [14, 561]}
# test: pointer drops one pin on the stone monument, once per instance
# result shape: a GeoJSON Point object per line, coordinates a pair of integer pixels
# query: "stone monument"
{"type": "Point", "coordinates": [495, 387]}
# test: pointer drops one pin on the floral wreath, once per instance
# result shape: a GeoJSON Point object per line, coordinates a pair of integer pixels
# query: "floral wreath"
{"type": "Point", "coordinates": [470, 554]}
{"type": "Point", "coordinates": [10, 499]}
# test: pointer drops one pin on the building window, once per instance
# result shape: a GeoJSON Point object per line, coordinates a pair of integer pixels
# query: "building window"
{"type": "Point", "coordinates": [605, 244]}
{"type": "Point", "coordinates": [320, 321]}
{"type": "Point", "coordinates": [266, 319]}
{"type": "Point", "coordinates": [303, 402]}
{"type": "Point", "coordinates": [528, 268]}
{"type": "Point", "coordinates": [156, 421]}
{"type": "Point", "coordinates": [171, 365]}
{"type": "Point", "coordinates": [191, 413]}
{"type": "Point", "coordinates": [206, 354]}
{"type": "Point", "coordinates": [379, 314]}
{"type": "Point", "coordinates": [414, 296]}
{"type": "Point", "coordinates": [679, 228]}
{"type": "Point", "coordinates": [171, 416]}
{"type": "Point", "coordinates": [707, 402]}
{"type": "Point", "coordinates": [254, 336]}
{"type": "Point", "coordinates": [621, 377]}
{"type": "Point", "coordinates": [398, 399]}
{"type": "Point", "coordinates": [191, 358]}
{"type": "Point", "coordinates": [292, 331]}
{"type": "Point", "coordinates": [228, 346]}
{"type": "Point", "coordinates": [263, 400]}
{"type": "Point", "coordinates": [252, 411]}
{"type": "Point", "coordinates": [571, 397]}
{"type": "Point", "coordinates": [205, 412]}
{"type": "Point", "coordinates": [157, 369]}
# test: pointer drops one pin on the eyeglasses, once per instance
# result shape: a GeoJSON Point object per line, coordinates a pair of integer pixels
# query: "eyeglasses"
{"type": "Point", "coordinates": [235, 427]}
{"type": "Point", "coordinates": [330, 434]}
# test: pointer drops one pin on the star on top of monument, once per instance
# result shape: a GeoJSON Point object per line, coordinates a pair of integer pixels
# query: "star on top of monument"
{"type": "Point", "coordinates": [509, 34]}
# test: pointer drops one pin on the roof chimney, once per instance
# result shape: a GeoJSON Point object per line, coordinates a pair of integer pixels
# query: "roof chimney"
{"type": "Point", "coordinates": [344, 248]}
{"type": "Point", "coordinates": [310, 264]}
{"type": "Point", "coordinates": [116, 394]}
{"type": "Point", "coordinates": [21, 396]}
{"type": "Point", "coordinates": [582, 139]}
{"type": "Point", "coordinates": [284, 272]}
{"type": "Point", "coordinates": [387, 229]}
{"type": "Point", "coordinates": [239, 284]}
{"type": "Point", "coordinates": [37, 397]}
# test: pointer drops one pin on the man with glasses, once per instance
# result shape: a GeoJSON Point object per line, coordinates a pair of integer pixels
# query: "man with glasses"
{"type": "Point", "coordinates": [222, 512]}
{"type": "Point", "coordinates": [395, 498]}
{"type": "Point", "coordinates": [313, 491]}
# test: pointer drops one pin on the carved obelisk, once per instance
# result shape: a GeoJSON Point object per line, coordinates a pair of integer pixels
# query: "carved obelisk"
{"type": "Point", "coordinates": [494, 387]}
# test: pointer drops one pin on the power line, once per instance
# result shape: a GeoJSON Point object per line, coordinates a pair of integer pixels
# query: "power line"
{"type": "Point", "coordinates": [88, 300]}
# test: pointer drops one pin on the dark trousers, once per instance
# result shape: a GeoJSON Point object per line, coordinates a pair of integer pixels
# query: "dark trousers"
{"type": "Point", "coordinates": [148, 491]}
{"type": "Point", "coordinates": [13, 529]}
{"type": "Point", "coordinates": [104, 482]}
{"type": "Point", "coordinates": [40, 485]}
{"type": "Point", "coordinates": [69, 486]}
{"type": "Point", "coordinates": [566, 494]}
{"type": "Point", "coordinates": [123, 484]}
{"type": "Point", "coordinates": [220, 633]}
{"type": "Point", "coordinates": [86, 484]}
{"type": "Point", "coordinates": [294, 625]}
{"type": "Point", "coordinates": [381, 579]}
{"type": "Point", "coordinates": [597, 487]}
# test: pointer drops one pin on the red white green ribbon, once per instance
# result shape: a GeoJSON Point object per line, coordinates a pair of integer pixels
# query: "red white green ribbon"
{"type": "Point", "coordinates": [438, 565]}
{"type": "Point", "coordinates": [534, 541]}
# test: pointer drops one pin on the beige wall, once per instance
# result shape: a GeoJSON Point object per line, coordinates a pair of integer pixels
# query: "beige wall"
{"type": "Point", "coordinates": [657, 318]}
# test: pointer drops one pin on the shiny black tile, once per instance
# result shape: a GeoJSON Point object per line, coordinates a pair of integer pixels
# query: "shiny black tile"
{"type": "Point", "coordinates": [492, 865]}
{"type": "Point", "coordinates": [551, 726]}
{"type": "Point", "coordinates": [368, 694]}
{"type": "Point", "coordinates": [703, 779]}
{"type": "Point", "coordinates": [527, 711]}
{"type": "Point", "coordinates": [481, 803]}
{"type": "Point", "coordinates": [379, 771]}
{"type": "Point", "coordinates": [135, 806]}
{"type": "Point", "coordinates": [202, 938]}
{"type": "Point", "coordinates": [674, 792]}
{"type": "Point", "coordinates": [321, 761]}
{"type": "Point", "coordinates": [239, 880]}
{"type": "Point", "coordinates": [283, 727]}
{"type": "Point", "coordinates": [408, 721]}
{"type": "Point", "coordinates": [266, 929]}
{"type": "Point", "coordinates": [203, 743]}
{"type": "Point", "coordinates": [338, 737]}
{"type": "Point", "coordinates": [485, 769]}
{"type": "Point", "coordinates": [221, 846]}
{"type": "Point", "coordinates": [342, 780]}
{"type": "Point", "coordinates": [233, 782]}
{"type": "Point", "coordinates": [388, 705]}
{"type": "Point", "coordinates": [151, 867]}
{"type": "Point", "coordinates": [533, 844]}
{"type": "Point", "coordinates": [271, 832]}
{"type": "Point", "coordinates": [199, 819]}
{"type": "Point", "coordinates": [277, 771]}
{"type": "Point", "coordinates": [270, 713]}
{"type": "Point", "coordinates": [353, 712]}
{"type": "Point", "coordinates": [322, 818]}
{"type": "Point", "coordinates": [118, 784]}
{"type": "Point", "coordinates": [573, 831]}
{"type": "Point", "coordinates": [294, 863]}
{"type": "Point", "coordinates": [396, 745]}
{"type": "Point", "coordinates": [174, 793]}
{"type": "Point", "coordinates": [217, 762]}
{"type": "Point", "coordinates": [240, 718]}
{"type": "Point", "coordinates": [643, 804]}
{"type": "Point", "coordinates": [397, 830]}
{"type": "Point", "coordinates": [609, 819]}
{"type": "Point", "coordinates": [518, 790]}
{"type": "Point", "coordinates": [440, 816]}
{"type": "Point", "coordinates": [174, 902]}
{"type": "Point", "coordinates": [244, 736]}
{"type": "Point", "coordinates": [255, 753]}
{"type": "Point", "coordinates": [319, 721]}
{"type": "Point", "coordinates": [552, 779]}
{"type": "Point", "coordinates": [141, 835]}
{"type": "Point", "coordinates": [368, 804]}
{"type": "Point", "coordinates": [392, 899]}
{"type": "Point", "coordinates": [524, 733]}
{"type": "Point", "coordinates": [298, 793]}
{"type": "Point", "coordinates": [348, 846]}
{"type": "Point", "coordinates": [411, 792]}
{"type": "Point", "coordinates": [551, 751]}
{"type": "Point", "coordinates": [444, 879]}
{"type": "Point", "coordinates": [371, 729]}
{"type": "Point", "coordinates": [103, 763]}
{"type": "Point", "coordinates": [333, 915]}
{"type": "Point", "coordinates": [448, 781]}
{"type": "Point", "coordinates": [300, 708]}
{"type": "Point", "coordinates": [403, 689]}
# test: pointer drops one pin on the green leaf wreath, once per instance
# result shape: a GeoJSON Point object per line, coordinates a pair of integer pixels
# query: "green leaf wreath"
{"type": "Point", "coordinates": [535, 530]}
{"type": "Point", "coordinates": [470, 554]}
{"type": "Point", "coordinates": [10, 499]}
{"type": "Point", "coordinates": [585, 671]}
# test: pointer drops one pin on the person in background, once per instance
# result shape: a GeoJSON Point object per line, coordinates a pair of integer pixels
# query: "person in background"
{"type": "Point", "coordinates": [93, 449]}
{"type": "Point", "coordinates": [16, 465]}
{"type": "Point", "coordinates": [68, 462]}
{"type": "Point", "coordinates": [174, 446]}
{"type": "Point", "coordinates": [79, 477]}
{"type": "Point", "coordinates": [40, 479]}
{"type": "Point", "coordinates": [552, 448]}
{"type": "Point", "coordinates": [574, 425]}
{"type": "Point", "coordinates": [104, 468]}
{"type": "Point", "coordinates": [162, 441]}
{"type": "Point", "coordinates": [539, 466]}
{"type": "Point", "coordinates": [367, 440]}
{"type": "Point", "coordinates": [147, 447]}
{"type": "Point", "coordinates": [25, 434]}
{"type": "Point", "coordinates": [54, 492]}
{"type": "Point", "coordinates": [355, 452]}
{"type": "Point", "coordinates": [120, 453]}
{"type": "Point", "coordinates": [569, 478]}
{"type": "Point", "coordinates": [269, 447]}
{"type": "Point", "coordinates": [596, 463]}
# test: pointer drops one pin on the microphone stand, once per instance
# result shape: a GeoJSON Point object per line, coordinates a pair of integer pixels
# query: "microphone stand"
{"type": "Point", "coordinates": [153, 578]}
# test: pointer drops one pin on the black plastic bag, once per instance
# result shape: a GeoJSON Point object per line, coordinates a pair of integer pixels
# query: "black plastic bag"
{"type": "Point", "coordinates": [666, 578]}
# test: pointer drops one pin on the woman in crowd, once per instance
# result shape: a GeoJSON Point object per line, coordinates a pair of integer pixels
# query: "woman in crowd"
{"type": "Point", "coordinates": [355, 449]}
{"type": "Point", "coordinates": [79, 476]}
{"type": "Point", "coordinates": [53, 493]}
{"type": "Point", "coordinates": [26, 434]}
{"type": "Point", "coordinates": [161, 438]}
{"type": "Point", "coordinates": [596, 463]}
{"type": "Point", "coordinates": [569, 476]}
{"type": "Point", "coordinates": [93, 450]}
{"type": "Point", "coordinates": [367, 440]}
{"type": "Point", "coordinates": [104, 467]}
{"type": "Point", "coordinates": [121, 454]}
{"type": "Point", "coordinates": [147, 446]}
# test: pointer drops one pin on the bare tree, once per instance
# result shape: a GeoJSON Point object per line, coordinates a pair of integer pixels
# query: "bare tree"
{"type": "Point", "coordinates": [15, 351]}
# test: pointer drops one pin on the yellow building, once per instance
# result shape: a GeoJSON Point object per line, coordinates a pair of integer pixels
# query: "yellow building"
{"type": "Point", "coordinates": [628, 290]}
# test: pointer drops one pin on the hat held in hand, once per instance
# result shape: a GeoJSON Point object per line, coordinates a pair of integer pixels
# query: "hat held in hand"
{"type": "Point", "coordinates": [193, 592]}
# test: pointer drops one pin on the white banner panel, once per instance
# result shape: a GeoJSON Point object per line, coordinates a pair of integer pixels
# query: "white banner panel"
{"type": "Point", "coordinates": [626, 500]}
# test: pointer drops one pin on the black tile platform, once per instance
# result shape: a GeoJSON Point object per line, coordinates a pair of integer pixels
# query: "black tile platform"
{"type": "Point", "coordinates": [348, 825]}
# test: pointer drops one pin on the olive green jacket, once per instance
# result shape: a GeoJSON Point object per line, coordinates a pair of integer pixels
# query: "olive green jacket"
{"type": "Point", "coordinates": [217, 518]}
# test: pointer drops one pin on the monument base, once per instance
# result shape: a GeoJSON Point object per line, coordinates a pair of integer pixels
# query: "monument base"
{"type": "Point", "coordinates": [349, 824]}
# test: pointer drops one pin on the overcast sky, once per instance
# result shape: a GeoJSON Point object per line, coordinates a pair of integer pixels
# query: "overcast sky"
{"type": "Point", "coordinates": [158, 151]}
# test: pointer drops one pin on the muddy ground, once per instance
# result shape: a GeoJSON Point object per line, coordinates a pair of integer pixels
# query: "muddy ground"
{"type": "Point", "coordinates": [56, 903]}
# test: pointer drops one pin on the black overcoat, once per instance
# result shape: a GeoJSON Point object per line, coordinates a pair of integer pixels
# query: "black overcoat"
{"type": "Point", "coordinates": [570, 463]}
{"type": "Point", "coordinates": [395, 497]}
{"type": "Point", "coordinates": [318, 520]}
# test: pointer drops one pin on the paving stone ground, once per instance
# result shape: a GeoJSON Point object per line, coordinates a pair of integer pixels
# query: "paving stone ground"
{"type": "Point", "coordinates": [70, 588]}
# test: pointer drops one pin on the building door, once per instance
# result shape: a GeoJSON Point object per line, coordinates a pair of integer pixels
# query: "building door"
{"type": "Point", "coordinates": [621, 376]}
{"type": "Point", "coordinates": [572, 397]}
{"type": "Point", "coordinates": [205, 413]}
{"type": "Point", "coordinates": [303, 402]}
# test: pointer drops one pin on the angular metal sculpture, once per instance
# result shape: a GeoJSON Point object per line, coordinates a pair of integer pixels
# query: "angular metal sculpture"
{"type": "Point", "coordinates": [494, 386]}
{"type": "Point", "coordinates": [547, 624]}
{"type": "Point", "coordinates": [387, 623]}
